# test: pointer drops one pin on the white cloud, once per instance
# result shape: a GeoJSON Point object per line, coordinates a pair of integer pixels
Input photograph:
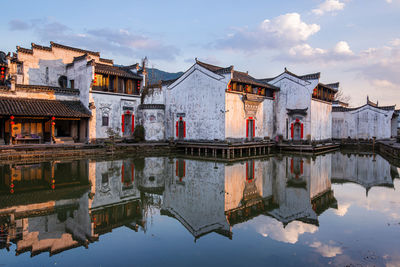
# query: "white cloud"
{"type": "Point", "coordinates": [343, 48]}
{"type": "Point", "coordinates": [283, 31]}
{"type": "Point", "coordinates": [328, 6]}
{"type": "Point", "coordinates": [304, 52]}
{"type": "Point", "coordinates": [290, 27]}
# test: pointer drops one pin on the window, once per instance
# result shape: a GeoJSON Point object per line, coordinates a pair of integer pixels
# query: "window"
{"type": "Point", "coordinates": [20, 68]}
{"type": "Point", "coordinates": [104, 120]}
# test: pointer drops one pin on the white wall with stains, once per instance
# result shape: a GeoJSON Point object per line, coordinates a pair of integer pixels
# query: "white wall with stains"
{"type": "Point", "coordinates": [198, 97]}
{"type": "Point", "coordinates": [363, 123]}
{"type": "Point", "coordinates": [321, 118]}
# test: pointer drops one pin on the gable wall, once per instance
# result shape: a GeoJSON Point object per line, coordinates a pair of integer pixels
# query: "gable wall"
{"type": "Point", "coordinates": [201, 98]}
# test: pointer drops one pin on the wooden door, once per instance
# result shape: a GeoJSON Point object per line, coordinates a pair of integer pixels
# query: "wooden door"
{"type": "Point", "coordinates": [297, 132]}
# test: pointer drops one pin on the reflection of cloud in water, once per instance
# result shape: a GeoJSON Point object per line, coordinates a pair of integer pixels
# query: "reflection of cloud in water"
{"type": "Point", "coordinates": [267, 226]}
{"type": "Point", "coordinates": [327, 251]}
{"type": "Point", "coordinates": [342, 209]}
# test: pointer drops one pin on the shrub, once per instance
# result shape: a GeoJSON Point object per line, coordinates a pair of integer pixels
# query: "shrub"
{"type": "Point", "coordinates": [138, 134]}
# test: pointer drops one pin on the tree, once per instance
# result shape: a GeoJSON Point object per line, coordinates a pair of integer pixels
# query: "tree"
{"type": "Point", "coordinates": [340, 96]}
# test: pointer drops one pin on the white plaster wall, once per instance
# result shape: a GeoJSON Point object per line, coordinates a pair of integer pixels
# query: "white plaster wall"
{"type": "Point", "coordinates": [34, 65]}
{"type": "Point", "coordinates": [268, 118]}
{"type": "Point", "coordinates": [156, 96]}
{"type": "Point", "coordinates": [38, 95]}
{"type": "Point", "coordinates": [235, 118]}
{"type": "Point", "coordinates": [113, 104]}
{"type": "Point", "coordinates": [153, 121]}
{"type": "Point", "coordinates": [321, 120]}
{"type": "Point", "coordinates": [83, 75]}
{"type": "Point", "coordinates": [366, 122]}
{"type": "Point", "coordinates": [394, 127]}
{"type": "Point", "coordinates": [294, 94]}
{"type": "Point", "coordinates": [200, 95]}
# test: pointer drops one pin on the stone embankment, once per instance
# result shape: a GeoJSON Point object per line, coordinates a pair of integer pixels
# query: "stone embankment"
{"type": "Point", "coordinates": [391, 151]}
{"type": "Point", "coordinates": [43, 151]}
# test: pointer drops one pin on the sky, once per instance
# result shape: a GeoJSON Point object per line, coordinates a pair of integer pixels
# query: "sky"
{"type": "Point", "coordinates": [354, 42]}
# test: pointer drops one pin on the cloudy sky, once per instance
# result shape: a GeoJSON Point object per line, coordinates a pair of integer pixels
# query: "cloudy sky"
{"type": "Point", "coordinates": [355, 42]}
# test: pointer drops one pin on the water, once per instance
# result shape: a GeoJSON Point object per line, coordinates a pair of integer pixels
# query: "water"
{"type": "Point", "coordinates": [335, 209]}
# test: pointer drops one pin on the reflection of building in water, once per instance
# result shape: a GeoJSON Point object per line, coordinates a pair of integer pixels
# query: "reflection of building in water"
{"type": "Point", "coordinates": [248, 188]}
{"type": "Point", "coordinates": [366, 170]}
{"type": "Point", "coordinates": [153, 173]}
{"type": "Point", "coordinates": [47, 210]}
{"type": "Point", "coordinates": [302, 188]}
{"type": "Point", "coordinates": [194, 195]}
{"type": "Point", "coordinates": [212, 197]}
{"type": "Point", "coordinates": [115, 199]}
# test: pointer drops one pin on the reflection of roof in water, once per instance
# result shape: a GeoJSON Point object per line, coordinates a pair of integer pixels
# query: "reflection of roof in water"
{"type": "Point", "coordinates": [247, 212]}
{"type": "Point", "coordinates": [219, 228]}
{"type": "Point", "coordinates": [324, 201]}
{"type": "Point", "coordinates": [366, 185]}
{"type": "Point", "coordinates": [26, 198]}
{"type": "Point", "coordinates": [127, 213]}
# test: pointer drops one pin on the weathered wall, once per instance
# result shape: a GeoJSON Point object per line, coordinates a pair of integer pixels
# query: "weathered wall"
{"type": "Point", "coordinates": [45, 67]}
{"type": "Point", "coordinates": [394, 126]}
{"type": "Point", "coordinates": [235, 118]}
{"type": "Point", "coordinates": [321, 120]}
{"type": "Point", "coordinates": [199, 97]}
{"type": "Point", "coordinates": [153, 121]}
{"type": "Point", "coordinates": [83, 75]}
{"type": "Point", "coordinates": [366, 122]}
{"type": "Point", "coordinates": [294, 94]}
{"type": "Point", "coordinates": [268, 118]}
{"type": "Point", "coordinates": [111, 105]}
{"type": "Point", "coordinates": [155, 96]}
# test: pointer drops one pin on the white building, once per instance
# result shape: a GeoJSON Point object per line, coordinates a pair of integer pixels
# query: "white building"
{"type": "Point", "coordinates": [365, 122]}
{"type": "Point", "coordinates": [62, 73]}
{"type": "Point", "coordinates": [303, 106]}
{"type": "Point", "coordinates": [216, 104]}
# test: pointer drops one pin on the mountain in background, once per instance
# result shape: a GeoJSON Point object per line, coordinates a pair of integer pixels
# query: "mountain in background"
{"type": "Point", "coordinates": [156, 75]}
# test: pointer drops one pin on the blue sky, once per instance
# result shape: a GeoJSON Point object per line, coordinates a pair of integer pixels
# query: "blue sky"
{"type": "Point", "coordinates": [355, 42]}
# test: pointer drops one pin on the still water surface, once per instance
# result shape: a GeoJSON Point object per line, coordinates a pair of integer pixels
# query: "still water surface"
{"type": "Point", "coordinates": [335, 209]}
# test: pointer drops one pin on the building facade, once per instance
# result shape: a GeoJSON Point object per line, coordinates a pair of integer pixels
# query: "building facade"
{"type": "Point", "coordinates": [366, 122]}
{"type": "Point", "coordinates": [212, 103]}
{"type": "Point", "coordinates": [64, 94]}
